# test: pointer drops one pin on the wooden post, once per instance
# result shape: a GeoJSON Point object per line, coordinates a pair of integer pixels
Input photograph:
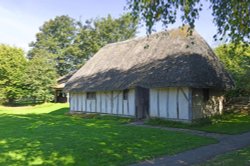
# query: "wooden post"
{"type": "Point", "coordinates": [177, 103]}
{"type": "Point", "coordinates": [158, 103]}
{"type": "Point", "coordinates": [167, 103]}
{"type": "Point", "coordinates": [55, 97]}
{"type": "Point", "coordinates": [190, 110]}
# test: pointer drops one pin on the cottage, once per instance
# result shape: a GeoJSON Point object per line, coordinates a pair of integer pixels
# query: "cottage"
{"type": "Point", "coordinates": [59, 95]}
{"type": "Point", "coordinates": [168, 75]}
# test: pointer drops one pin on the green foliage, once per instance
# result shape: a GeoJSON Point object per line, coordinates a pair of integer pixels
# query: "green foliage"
{"type": "Point", "coordinates": [21, 79]}
{"type": "Point", "coordinates": [61, 46]}
{"type": "Point", "coordinates": [12, 69]}
{"type": "Point", "coordinates": [43, 135]}
{"type": "Point", "coordinates": [56, 37]}
{"type": "Point", "coordinates": [96, 33]}
{"type": "Point", "coordinates": [86, 44]}
{"type": "Point", "coordinates": [230, 17]}
{"type": "Point", "coordinates": [70, 43]}
{"type": "Point", "coordinates": [236, 59]}
{"type": "Point", "coordinates": [111, 30]}
{"type": "Point", "coordinates": [40, 77]}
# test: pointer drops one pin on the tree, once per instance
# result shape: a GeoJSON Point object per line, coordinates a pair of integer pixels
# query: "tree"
{"type": "Point", "coordinates": [96, 33]}
{"type": "Point", "coordinates": [70, 43]}
{"type": "Point", "coordinates": [12, 67]}
{"type": "Point", "coordinates": [237, 62]}
{"type": "Point", "coordinates": [86, 44]}
{"type": "Point", "coordinates": [230, 16]}
{"type": "Point", "coordinates": [112, 30]}
{"type": "Point", "coordinates": [40, 76]}
{"type": "Point", "coordinates": [56, 37]}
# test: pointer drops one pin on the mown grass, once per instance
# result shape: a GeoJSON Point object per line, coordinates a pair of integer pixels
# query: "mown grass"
{"type": "Point", "coordinates": [45, 135]}
{"type": "Point", "coordinates": [238, 157]}
{"type": "Point", "coordinates": [225, 124]}
{"type": "Point", "coordinates": [34, 109]}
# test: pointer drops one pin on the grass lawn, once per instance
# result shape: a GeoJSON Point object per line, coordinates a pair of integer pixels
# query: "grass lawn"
{"type": "Point", "coordinates": [225, 124]}
{"type": "Point", "coordinates": [239, 157]}
{"type": "Point", "coordinates": [44, 135]}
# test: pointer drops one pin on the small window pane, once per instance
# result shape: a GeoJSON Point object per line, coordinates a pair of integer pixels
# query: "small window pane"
{"type": "Point", "coordinates": [91, 95]}
{"type": "Point", "coordinates": [125, 94]}
{"type": "Point", "coordinates": [206, 95]}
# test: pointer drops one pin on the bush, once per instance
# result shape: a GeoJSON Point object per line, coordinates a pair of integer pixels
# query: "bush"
{"type": "Point", "coordinates": [236, 60]}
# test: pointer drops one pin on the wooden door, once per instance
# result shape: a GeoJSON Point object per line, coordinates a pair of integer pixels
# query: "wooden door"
{"type": "Point", "coordinates": [142, 103]}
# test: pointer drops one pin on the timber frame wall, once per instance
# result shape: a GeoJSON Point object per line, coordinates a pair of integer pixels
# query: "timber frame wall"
{"type": "Point", "coordinates": [110, 102]}
{"type": "Point", "coordinates": [177, 103]}
{"type": "Point", "coordinates": [171, 103]}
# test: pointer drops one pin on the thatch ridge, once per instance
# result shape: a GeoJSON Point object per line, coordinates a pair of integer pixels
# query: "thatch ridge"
{"type": "Point", "coordinates": [165, 59]}
{"type": "Point", "coordinates": [61, 81]}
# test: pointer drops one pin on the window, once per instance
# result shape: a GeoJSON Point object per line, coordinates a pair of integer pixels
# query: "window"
{"type": "Point", "coordinates": [125, 94]}
{"type": "Point", "coordinates": [64, 95]}
{"type": "Point", "coordinates": [59, 93]}
{"type": "Point", "coordinates": [91, 95]}
{"type": "Point", "coordinates": [205, 95]}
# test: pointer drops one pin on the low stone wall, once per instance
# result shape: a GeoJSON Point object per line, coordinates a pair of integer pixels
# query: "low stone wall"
{"type": "Point", "coordinates": [214, 105]}
{"type": "Point", "coordinates": [238, 105]}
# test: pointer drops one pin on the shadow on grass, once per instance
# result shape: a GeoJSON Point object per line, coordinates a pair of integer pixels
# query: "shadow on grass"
{"type": "Point", "coordinates": [57, 139]}
{"type": "Point", "coordinates": [61, 111]}
{"type": "Point", "coordinates": [23, 104]}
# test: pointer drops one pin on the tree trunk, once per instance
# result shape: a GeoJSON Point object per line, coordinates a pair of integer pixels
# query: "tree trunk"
{"type": "Point", "coordinates": [34, 100]}
{"type": "Point", "coordinates": [11, 101]}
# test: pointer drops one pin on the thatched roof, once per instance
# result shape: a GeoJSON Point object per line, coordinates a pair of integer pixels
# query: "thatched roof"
{"type": "Point", "coordinates": [165, 59]}
{"type": "Point", "coordinates": [61, 81]}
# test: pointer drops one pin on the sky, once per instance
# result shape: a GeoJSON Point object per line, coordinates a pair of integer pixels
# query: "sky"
{"type": "Point", "coordinates": [20, 19]}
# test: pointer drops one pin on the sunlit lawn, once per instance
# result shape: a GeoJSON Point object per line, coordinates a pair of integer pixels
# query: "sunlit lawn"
{"type": "Point", "coordinates": [44, 135]}
{"type": "Point", "coordinates": [226, 124]}
{"type": "Point", "coordinates": [238, 157]}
